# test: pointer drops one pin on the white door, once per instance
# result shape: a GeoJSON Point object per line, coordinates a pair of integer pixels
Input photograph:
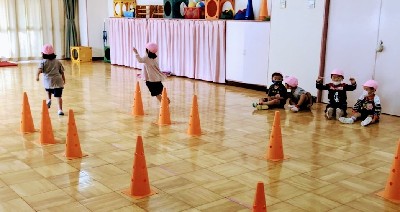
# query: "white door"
{"type": "Point", "coordinates": [387, 70]}
{"type": "Point", "coordinates": [235, 36]}
{"type": "Point", "coordinates": [256, 50]}
{"type": "Point", "coordinates": [351, 42]}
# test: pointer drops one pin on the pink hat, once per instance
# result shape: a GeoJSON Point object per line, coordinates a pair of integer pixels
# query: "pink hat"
{"type": "Point", "coordinates": [338, 72]}
{"type": "Point", "coordinates": [48, 49]}
{"type": "Point", "coordinates": [371, 84]}
{"type": "Point", "coordinates": [291, 81]}
{"type": "Point", "coordinates": [152, 47]}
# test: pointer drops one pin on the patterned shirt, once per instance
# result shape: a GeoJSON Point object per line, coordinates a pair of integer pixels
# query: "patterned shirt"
{"type": "Point", "coordinates": [336, 93]}
{"type": "Point", "coordinates": [368, 105]}
{"type": "Point", "coordinates": [277, 88]}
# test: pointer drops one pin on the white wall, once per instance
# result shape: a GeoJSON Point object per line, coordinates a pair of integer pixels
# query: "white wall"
{"type": "Point", "coordinates": [92, 14]}
{"type": "Point", "coordinates": [295, 40]}
{"type": "Point", "coordinates": [83, 31]}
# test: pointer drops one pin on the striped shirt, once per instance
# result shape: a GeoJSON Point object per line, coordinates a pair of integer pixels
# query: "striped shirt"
{"type": "Point", "coordinates": [369, 105]}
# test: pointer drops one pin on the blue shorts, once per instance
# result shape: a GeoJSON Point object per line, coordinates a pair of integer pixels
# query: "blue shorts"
{"type": "Point", "coordinates": [57, 92]}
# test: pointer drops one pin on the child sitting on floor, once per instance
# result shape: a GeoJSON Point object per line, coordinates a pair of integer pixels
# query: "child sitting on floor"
{"type": "Point", "coordinates": [276, 94]}
{"type": "Point", "coordinates": [337, 94]}
{"type": "Point", "coordinates": [299, 99]}
{"type": "Point", "coordinates": [368, 106]}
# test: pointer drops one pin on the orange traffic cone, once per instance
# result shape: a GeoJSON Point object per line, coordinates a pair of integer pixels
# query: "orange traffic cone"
{"type": "Point", "coordinates": [164, 118]}
{"type": "Point", "coordinates": [72, 146]}
{"type": "Point", "coordinates": [46, 130]}
{"type": "Point", "coordinates": [392, 189]}
{"type": "Point", "coordinates": [263, 10]}
{"type": "Point", "coordinates": [26, 119]}
{"type": "Point", "coordinates": [259, 204]}
{"type": "Point", "coordinates": [275, 148]}
{"type": "Point", "coordinates": [140, 186]}
{"type": "Point", "coordinates": [137, 107]}
{"type": "Point", "coordinates": [194, 122]}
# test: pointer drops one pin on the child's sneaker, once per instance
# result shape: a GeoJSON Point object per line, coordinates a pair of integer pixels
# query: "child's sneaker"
{"type": "Point", "coordinates": [329, 113]}
{"type": "Point", "coordinates": [262, 107]}
{"type": "Point", "coordinates": [60, 112]}
{"type": "Point", "coordinates": [48, 102]}
{"type": "Point", "coordinates": [294, 109]}
{"type": "Point", "coordinates": [366, 121]}
{"type": "Point", "coordinates": [339, 113]}
{"type": "Point", "coordinates": [346, 120]}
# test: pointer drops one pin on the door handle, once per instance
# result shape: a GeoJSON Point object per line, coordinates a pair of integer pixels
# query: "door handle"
{"type": "Point", "coordinates": [380, 47]}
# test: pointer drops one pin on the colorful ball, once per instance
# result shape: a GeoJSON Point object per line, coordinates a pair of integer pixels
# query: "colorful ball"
{"type": "Point", "coordinates": [200, 4]}
{"type": "Point", "coordinates": [192, 4]}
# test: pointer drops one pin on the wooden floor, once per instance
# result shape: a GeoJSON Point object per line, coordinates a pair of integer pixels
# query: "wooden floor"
{"type": "Point", "coordinates": [332, 167]}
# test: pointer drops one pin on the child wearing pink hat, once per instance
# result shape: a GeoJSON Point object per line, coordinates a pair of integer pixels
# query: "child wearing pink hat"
{"type": "Point", "coordinates": [368, 106]}
{"type": "Point", "coordinates": [299, 99]}
{"type": "Point", "coordinates": [337, 93]}
{"type": "Point", "coordinates": [53, 76]}
{"type": "Point", "coordinates": [151, 72]}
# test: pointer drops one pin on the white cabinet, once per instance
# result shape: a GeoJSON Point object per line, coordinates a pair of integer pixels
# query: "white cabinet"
{"type": "Point", "coordinates": [247, 47]}
{"type": "Point", "coordinates": [355, 29]}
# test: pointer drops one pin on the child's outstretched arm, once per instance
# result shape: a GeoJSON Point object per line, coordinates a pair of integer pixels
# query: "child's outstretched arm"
{"type": "Point", "coordinates": [319, 84]}
{"type": "Point", "coordinates": [352, 86]}
{"type": "Point", "coordinates": [377, 109]}
{"type": "Point", "coordinates": [138, 58]}
{"type": "Point", "coordinates": [38, 73]}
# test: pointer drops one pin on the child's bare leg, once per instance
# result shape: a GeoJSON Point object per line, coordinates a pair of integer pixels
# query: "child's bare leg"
{"type": "Point", "coordinates": [303, 98]}
{"type": "Point", "coordinates": [159, 97]}
{"type": "Point", "coordinates": [355, 116]}
{"type": "Point", "coordinates": [272, 102]}
{"type": "Point", "coordinates": [60, 111]}
{"type": "Point", "coordinates": [59, 103]}
{"type": "Point", "coordinates": [350, 120]}
{"type": "Point", "coordinates": [48, 101]}
{"type": "Point", "coordinates": [309, 96]}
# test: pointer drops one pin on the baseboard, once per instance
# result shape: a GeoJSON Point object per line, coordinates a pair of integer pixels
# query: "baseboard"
{"type": "Point", "coordinates": [97, 58]}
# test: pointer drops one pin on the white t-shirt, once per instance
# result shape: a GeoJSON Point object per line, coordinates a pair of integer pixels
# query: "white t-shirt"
{"type": "Point", "coordinates": [151, 71]}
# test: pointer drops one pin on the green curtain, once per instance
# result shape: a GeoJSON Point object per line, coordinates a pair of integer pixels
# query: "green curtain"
{"type": "Point", "coordinates": [71, 37]}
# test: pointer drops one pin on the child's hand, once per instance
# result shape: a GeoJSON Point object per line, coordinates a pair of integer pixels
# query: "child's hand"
{"type": "Point", "coordinates": [320, 79]}
{"type": "Point", "coordinates": [135, 50]}
{"type": "Point", "coordinates": [352, 81]}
